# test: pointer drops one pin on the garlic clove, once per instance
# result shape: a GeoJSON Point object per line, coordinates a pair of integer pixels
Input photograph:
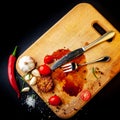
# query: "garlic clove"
{"type": "Point", "coordinates": [35, 72]}
{"type": "Point", "coordinates": [33, 80]}
{"type": "Point", "coordinates": [27, 77]}
{"type": "Point", "coordinates": [25, 89]}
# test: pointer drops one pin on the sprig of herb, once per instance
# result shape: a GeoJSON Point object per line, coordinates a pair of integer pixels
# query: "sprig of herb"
{"type": "Point", "coordinates": [94, 73]}
{"type": "Point", "coordinates": [23, 83]}
{"type": "Point", "coordinates": [24, 88]}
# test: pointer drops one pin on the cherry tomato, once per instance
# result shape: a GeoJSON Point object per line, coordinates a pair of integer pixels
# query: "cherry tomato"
{"type": "Point", "coordinates": [85, 95]}
{"type": "Point", "coordinates": [44, 69]}
{"type": "Point", "coordinates": [48, 59]}
{"type": "Point", "coordinates": [54, 100]}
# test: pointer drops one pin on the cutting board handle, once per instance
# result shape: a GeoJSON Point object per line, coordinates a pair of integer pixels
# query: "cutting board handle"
{"type": "Point", "coordinates": [104, 37]}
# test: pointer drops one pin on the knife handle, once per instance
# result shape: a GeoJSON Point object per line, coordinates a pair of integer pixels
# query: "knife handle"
{"type": "Point", "coordinates": [104, 37]}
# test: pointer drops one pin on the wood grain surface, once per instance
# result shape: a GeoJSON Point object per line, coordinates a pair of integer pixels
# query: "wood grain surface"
{"type": "Point", "coordinates": [73, 31]}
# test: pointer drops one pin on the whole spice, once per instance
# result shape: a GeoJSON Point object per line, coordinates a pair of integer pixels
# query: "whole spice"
{"type": "Point", "coordinates": [11, 75]}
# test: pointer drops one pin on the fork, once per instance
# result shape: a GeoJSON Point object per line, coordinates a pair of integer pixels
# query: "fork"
{"type": "Point", "coordinates": [73, 66]}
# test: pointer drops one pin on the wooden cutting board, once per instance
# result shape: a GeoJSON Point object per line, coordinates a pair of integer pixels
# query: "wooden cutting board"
{"type": "Point", "coordinates": [73, 31]}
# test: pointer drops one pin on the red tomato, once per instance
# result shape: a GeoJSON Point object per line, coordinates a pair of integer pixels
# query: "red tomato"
{"type": "Point", "coordinates": [85, 95]}
{"type": "Point", "coordinates": [48, 59]}
{"type": "Point", "coordinates": [44, 69]}
{"type": "Point", "coordinates": [54, 100]}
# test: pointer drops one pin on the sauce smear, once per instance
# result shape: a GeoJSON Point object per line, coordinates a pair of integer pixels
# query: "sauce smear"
{"type": "Point", "coordinates": [73, 81]}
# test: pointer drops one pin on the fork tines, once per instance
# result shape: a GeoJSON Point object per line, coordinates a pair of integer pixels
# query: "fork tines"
{"type": "Point", "coordinates": [68, 67]}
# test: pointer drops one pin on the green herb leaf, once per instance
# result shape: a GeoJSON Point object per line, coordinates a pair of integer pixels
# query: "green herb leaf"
{"type": "Point", "coordinates": [94, 72]}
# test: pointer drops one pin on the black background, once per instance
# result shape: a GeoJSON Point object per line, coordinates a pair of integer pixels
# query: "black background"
{"type": "Point", "coordinates": [21, 24]}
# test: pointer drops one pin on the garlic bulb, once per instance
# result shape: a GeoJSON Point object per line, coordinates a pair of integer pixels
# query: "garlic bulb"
{"type": "Point", "coordinates": [26, 64]}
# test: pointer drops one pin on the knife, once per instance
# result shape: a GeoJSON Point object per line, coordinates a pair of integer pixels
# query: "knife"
{"type": "Point", "coordinates": [68, 57]}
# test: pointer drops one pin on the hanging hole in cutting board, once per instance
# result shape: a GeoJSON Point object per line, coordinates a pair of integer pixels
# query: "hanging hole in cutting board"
{"type": "Point", "coordinates": [100, 30]}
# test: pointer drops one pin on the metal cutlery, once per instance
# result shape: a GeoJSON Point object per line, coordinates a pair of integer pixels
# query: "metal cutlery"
{"type": "Point", "coordinates": [73, 66]}
{"type": "Point", "coordinates": [75, 53]}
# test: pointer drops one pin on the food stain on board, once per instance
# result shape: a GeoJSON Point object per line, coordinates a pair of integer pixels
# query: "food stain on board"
{"type": "Point", "coordinates": [74, 81]}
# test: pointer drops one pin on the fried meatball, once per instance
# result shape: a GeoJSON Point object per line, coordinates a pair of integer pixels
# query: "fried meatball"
{"type": "Point", "coordinates": [45, 83]}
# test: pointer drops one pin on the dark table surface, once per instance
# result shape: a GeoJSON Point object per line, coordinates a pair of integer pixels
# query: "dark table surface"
{"type": "Point", "coordinates": [21, 24]}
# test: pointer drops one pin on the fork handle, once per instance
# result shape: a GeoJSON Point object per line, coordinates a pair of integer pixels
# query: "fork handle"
{"type": "Point", "coordinates": [104, 37]}
{"type": "Point", "coordinates": [101, 59]}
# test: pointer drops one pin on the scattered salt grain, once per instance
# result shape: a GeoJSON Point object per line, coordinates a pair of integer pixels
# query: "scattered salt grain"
{"type": "Point", "coordinates": [30, 101]}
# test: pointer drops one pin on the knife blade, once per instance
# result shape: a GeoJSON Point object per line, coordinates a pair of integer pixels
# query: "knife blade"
{"type": "Point", "coordinates": [75, 53]}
